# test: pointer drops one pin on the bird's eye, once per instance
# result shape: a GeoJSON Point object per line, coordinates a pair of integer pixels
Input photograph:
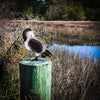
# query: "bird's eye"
{"type": "Point", "coordinates": [27, 33]}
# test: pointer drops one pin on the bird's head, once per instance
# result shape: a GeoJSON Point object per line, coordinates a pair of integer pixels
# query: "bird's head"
{"type": "Point", "coordinates": [27, 33]}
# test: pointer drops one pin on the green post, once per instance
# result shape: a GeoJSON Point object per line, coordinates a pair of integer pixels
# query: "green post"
{"type": "Point", "coordinates": [35, 79]}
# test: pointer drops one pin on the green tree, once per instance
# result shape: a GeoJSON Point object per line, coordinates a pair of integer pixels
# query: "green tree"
{"type": "Point", "coordinates": [76, 12]}
{"type": "Point", "coordinates": [53, 9]}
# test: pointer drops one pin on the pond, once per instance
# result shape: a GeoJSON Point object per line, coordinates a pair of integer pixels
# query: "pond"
{"type": "Point", "coordinates": [83, 51]}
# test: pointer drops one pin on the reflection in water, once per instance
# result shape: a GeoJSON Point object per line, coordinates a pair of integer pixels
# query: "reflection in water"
{"type": "Point", "coordinates": [91, 51]}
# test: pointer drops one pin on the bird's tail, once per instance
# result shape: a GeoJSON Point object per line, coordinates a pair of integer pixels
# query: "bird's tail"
{"type": "Point", "coordinates": [46, 53]}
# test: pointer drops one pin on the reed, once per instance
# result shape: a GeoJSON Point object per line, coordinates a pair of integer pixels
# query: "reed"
{"type": "Point", "coordinates": [70, 32]}
{"type": "Point", "coordinates": [74, 78]}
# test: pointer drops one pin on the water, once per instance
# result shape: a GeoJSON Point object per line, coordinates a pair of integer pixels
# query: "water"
{"type": "Point", "coordinates": [91, 51]}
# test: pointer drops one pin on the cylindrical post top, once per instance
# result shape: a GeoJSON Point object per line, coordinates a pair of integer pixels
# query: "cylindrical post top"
{"type": "Point", "coordinates": [29, 62]}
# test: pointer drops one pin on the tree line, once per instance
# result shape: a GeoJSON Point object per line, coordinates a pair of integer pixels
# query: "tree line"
{"type": "Point", "coordinates": [50, 9]}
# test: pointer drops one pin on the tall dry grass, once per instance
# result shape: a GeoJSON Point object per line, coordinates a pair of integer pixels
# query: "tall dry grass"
{"type": "Point", "coordinates": [74, 78]}
{"type": "Point", "coordinates": [72, 33]}
{"type": "Point", "coordinates": [81, 35]}
{"type": "Point", "coordinates": [65, 32]}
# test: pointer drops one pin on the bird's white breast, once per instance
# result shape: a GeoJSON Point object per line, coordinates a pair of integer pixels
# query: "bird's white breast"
{"type": "Point", "coordinates": [26, 45]}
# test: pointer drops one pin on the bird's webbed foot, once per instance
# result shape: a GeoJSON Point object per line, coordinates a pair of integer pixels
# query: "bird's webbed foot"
{"type": "Point", "coordinates": [36, 58]}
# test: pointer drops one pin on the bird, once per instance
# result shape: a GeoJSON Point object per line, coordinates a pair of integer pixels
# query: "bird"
{"type": "Point", "coordinates": [34, 45]}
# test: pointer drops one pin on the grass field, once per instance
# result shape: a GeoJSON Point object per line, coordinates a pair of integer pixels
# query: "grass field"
{"type": "Point", "coordinates": [71, 32]}
{"type": "Point", "coordinates": [73, 78]}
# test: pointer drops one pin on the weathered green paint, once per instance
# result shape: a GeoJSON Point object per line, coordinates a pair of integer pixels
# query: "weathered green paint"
{"type": "Point", "coordinates": [35, 79]}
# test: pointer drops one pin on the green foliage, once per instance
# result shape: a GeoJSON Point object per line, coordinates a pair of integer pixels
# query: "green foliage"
{"type": "Point", "coordinates": [90, 13]}
{"type": "Point", "coordinates": [51, 9]}
{"type": "Point", "coordinates": [64, 11]}
{"type": "Point", "coordinates": [4, 60]}
{"type": "Point", "coordinates": [17, 44]}
{"type": "Point", "coordinates": [9, 78]}
{"type": "Point", "coordinates": [76, 12]}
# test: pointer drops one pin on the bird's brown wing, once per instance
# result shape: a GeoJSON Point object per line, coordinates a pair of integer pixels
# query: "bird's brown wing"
{"type": "Point", "coordinates": [35, 45]}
